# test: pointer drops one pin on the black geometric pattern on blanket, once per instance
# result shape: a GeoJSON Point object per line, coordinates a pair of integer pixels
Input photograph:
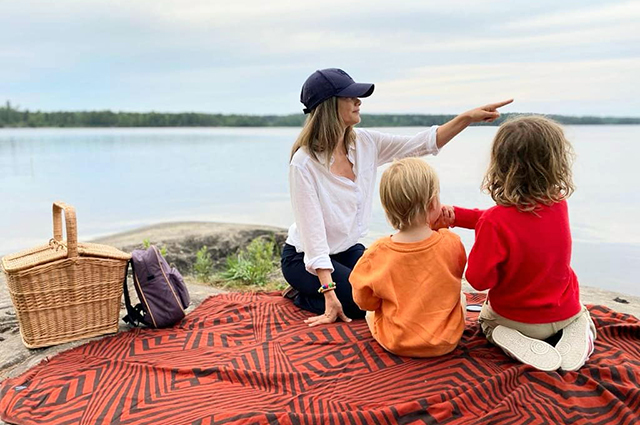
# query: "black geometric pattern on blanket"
{"type": "Point", "coordinates": [249, 359]}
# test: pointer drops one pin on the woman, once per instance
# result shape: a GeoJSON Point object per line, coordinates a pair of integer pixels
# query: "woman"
{"type": "Point", "coordinates": [332, 176]}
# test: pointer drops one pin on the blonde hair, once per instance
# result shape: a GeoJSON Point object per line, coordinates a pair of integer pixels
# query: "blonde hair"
{"type": "Point", "coordinates": [407, 189]}
{"type": "Point", "coordinates": [530, 164]}
{"type": "Point", "coordinates": [322, 131]}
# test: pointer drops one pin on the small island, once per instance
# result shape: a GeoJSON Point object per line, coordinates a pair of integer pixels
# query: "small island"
{"type": "Point", "coordinates": [14, 117]}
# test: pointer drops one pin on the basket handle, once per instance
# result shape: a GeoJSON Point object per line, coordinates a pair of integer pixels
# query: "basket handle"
{"type": "Point", "coordinates": [70, 224]}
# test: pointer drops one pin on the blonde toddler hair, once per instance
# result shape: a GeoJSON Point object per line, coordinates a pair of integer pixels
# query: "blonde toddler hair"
{"type": "Point", "coordinates": [407, 189]}
{"type": "Point", "coordinates": [530, 164]}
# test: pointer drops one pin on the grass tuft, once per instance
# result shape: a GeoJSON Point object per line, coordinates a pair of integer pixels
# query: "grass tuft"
{"type": "Point", "coordinates": [252, 265]}
{"type": "Point", "coordinates": [146, 243]}
{"type": "Point", "coordinates": [203, 267]}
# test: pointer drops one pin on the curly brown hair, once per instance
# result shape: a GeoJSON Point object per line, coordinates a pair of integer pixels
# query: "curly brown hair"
{"type": "Point", "coordinates": [530, 164]}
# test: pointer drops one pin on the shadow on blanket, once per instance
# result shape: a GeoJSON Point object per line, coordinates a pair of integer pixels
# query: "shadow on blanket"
{"type": "Point", "coordinates": [249, 358]}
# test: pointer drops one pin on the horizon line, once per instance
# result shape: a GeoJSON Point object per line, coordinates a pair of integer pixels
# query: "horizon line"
{"type": "Point", "coordinates": [8, 105]}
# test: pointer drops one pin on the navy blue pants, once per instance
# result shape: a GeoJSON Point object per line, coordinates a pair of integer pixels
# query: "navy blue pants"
{"type": "Point", "coordinates": [307, 284]}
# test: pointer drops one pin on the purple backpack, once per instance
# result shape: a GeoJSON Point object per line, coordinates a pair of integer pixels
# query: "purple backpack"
{"type": "Point", "coordinates": [162, 292]}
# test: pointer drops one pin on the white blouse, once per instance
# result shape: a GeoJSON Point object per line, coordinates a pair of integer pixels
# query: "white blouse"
{"type": "Point", "coordinates": [332, 212]}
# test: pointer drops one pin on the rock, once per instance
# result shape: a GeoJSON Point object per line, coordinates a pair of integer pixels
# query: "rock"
{"type": "Point", "coordinates": [183, 240]}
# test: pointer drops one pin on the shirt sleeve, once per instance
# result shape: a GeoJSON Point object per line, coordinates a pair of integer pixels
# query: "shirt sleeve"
{"type": "Point", "coordinates": [458, 248]}
{"type": "Point", "coordinates": [462, 256]}
{"type": "Point", "coordinates": [466, 218]}
{"type": "Point", "coordinates": [309, 220]}
{"type": "Point", "coordinates": [486, 257]}
{"type": "Point", "coordinates": [362, 285]}
{"type": "Point", "coordinates": [390, 146]}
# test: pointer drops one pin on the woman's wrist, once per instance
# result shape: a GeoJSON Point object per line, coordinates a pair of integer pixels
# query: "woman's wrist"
{"type": "Point", "coordinates": [326, 287]}
{"type": "Point", "coordinates": [466, 118]}
{"type": "Point", "coordinates": [330, 296]}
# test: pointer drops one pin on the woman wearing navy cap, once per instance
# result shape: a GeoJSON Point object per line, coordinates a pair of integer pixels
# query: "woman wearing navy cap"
{"type": "Point", "coordinates": [332, 177]}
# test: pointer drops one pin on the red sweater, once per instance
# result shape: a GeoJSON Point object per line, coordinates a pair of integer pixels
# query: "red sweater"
{"type": "Point", "coordinates": [523, 260]}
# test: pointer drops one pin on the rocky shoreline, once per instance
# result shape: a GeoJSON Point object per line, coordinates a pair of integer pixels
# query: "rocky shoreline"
{"type": "Point", "coordinates": [182, 241]}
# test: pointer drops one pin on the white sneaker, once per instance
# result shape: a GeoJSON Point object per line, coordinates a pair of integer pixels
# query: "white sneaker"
{"type": "Point", "coordinates": [576, 344]}
{"type": "Point", "coordinates": [530, 351]}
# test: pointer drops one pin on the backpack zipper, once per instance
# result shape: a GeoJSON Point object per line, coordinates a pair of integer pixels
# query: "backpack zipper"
{"type": "Point", "coordinates": [167, 279]}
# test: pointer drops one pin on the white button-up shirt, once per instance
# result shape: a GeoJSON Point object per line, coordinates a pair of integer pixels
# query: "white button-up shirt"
{"type": "Point", "coordinates": [332, 212]}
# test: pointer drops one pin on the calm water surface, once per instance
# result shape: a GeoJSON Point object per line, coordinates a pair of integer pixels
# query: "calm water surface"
{"type": "Point", "coordinates": [120, 179]}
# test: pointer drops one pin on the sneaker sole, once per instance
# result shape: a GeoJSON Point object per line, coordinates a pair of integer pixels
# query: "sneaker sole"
{"type": "Point", "coordinates": [573, 346]}
{"type": "Point", "coordinates": [289, 292]}
{"type": "Point", "coordinates": [527, 350]}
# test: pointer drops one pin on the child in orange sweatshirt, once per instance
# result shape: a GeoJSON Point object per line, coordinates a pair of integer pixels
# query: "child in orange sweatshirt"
{"type": "Point", "coordinates": [410, 282]}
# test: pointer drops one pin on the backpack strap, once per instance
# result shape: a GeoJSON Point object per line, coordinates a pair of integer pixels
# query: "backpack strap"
{"type": "Point", "coordinates": [134, 314]}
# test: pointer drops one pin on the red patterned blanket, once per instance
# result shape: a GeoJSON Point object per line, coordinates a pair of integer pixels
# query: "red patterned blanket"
{"type": "Point", "coordinates": [249, 358]}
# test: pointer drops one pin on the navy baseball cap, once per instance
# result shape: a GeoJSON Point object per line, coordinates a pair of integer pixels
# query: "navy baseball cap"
{"type": "Point", "coordinates": [326, 83]}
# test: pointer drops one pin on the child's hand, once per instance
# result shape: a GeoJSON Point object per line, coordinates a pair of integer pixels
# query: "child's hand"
{"type": "Point", "coordinates": [446, 219]}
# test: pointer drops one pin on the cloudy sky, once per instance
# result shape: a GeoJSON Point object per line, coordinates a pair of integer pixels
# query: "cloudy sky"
{"type": "Point", "coordinates": [252, 56]}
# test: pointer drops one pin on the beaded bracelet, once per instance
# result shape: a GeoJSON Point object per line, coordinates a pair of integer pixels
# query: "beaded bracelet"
{"type": "Point", "coordinates": [327, 287]}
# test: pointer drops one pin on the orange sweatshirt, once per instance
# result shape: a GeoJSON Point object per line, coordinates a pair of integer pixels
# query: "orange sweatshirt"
{"type": "Point", "coordinates": [414, 291]}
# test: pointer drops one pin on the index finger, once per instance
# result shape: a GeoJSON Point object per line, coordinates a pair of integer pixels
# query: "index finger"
{"type": "Point", "coordinates": [499, 104]}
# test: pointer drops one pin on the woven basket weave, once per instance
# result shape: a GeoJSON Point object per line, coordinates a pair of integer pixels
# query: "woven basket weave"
{"type": "Point", "coordinates": [65, 291]}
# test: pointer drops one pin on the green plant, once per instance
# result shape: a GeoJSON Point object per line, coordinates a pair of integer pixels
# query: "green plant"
{"type": "Point", "coordinates": [203, 266]}
{"type": "Point", "coordinates": [253, 264]}
{"type": "Point", "coordinates": [146, 243]}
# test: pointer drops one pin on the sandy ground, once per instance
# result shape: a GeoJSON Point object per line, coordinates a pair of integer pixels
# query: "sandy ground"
{"type": "Point", "coordinates": [16, 359]}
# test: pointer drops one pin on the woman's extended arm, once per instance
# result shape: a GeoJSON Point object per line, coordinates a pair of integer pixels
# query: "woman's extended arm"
{"type": "Point", "coordinates": [429, 141]}
{"type": "Point", "coordinates": [487, 113]}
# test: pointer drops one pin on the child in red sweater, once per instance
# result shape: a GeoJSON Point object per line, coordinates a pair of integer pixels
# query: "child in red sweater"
{"type": "Point", "coordinates": [522, 251]}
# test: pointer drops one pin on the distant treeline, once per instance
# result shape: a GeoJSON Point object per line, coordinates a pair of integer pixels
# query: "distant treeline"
{"type": "Point", "coordinates": [11, 116]}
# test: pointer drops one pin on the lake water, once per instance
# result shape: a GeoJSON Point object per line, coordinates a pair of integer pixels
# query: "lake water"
{"type": "Point", "coordinates": [120, 179]}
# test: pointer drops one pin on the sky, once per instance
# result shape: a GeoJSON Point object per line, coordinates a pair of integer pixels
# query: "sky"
{"type": "Point", "coordinates": [252, 56]}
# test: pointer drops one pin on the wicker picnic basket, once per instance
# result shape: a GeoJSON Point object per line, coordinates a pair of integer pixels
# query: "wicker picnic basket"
{"type": "Point", "coordinates": [65, 290]}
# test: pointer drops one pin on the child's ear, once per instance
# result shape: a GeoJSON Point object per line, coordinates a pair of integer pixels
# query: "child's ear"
{"type": "Point", "coordinates": [433, 211]}
{"type": "Point", "coordinates": [433, 205]}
